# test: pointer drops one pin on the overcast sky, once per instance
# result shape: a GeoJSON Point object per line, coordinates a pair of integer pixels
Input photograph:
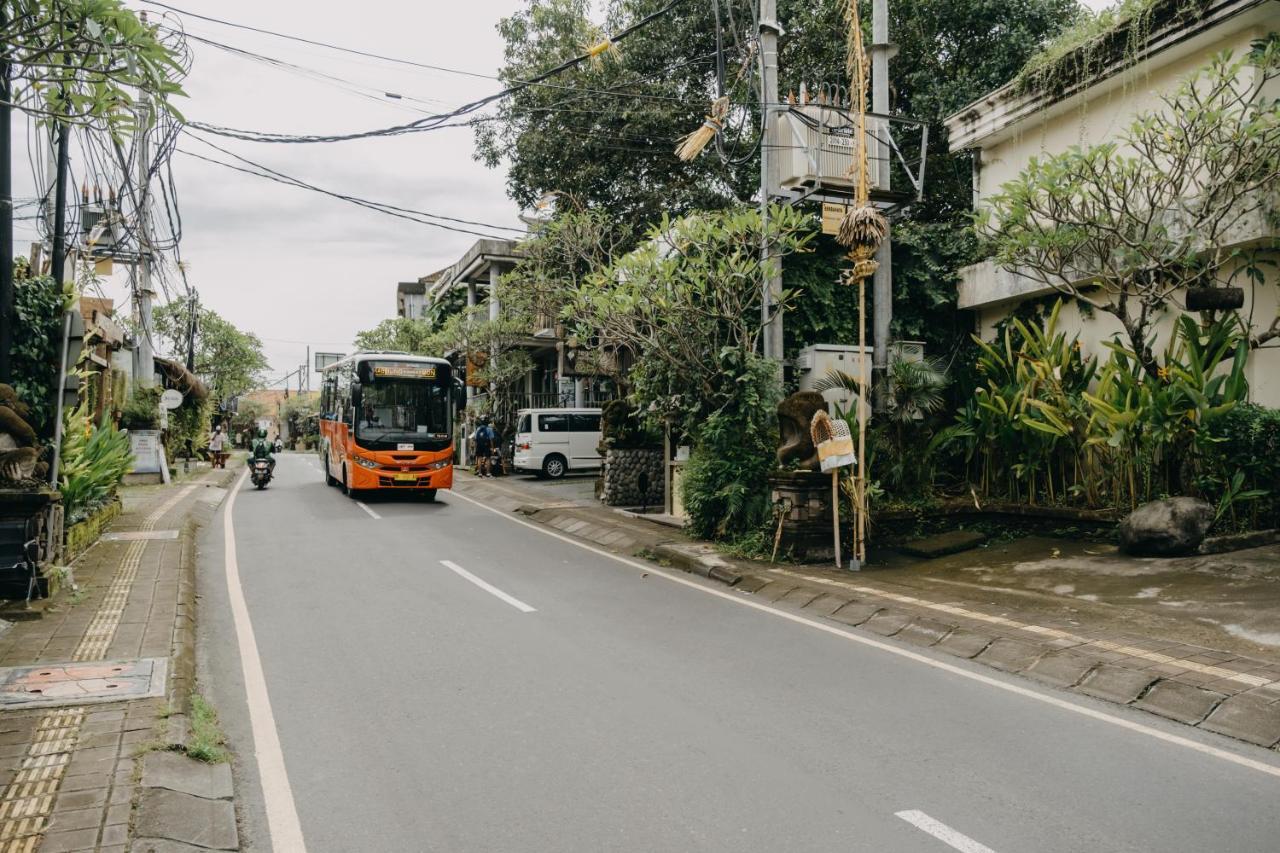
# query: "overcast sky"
{"type": "Point", "coordinates": [292, 266]}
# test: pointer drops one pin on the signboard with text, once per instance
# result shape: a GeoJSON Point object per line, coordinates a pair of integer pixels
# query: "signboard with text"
{"type": "Point", "coordinates": [324, 359]}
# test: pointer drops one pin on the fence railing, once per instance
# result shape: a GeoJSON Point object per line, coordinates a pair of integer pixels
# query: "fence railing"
{"type": "Point", "coordinates": [547, 400]}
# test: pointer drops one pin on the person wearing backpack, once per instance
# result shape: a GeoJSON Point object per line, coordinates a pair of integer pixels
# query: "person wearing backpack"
{"type": "Point", "coordinates": [485, 439]}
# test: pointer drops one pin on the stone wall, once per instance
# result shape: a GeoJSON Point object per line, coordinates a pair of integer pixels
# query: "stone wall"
{"type": "Point", "coordinates": [622, 476]}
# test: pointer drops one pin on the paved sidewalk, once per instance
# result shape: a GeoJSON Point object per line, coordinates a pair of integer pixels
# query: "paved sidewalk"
{"type": "Point", "coordinates": [69, 778]}
{"type": "Point", "coordinates": [1096, 649]}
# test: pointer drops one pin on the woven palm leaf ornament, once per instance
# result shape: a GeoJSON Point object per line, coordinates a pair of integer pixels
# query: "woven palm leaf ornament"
{"type": "Point", "coordinates": [863, 228]}
{"type": "Point", "coordinates": [832, 440]}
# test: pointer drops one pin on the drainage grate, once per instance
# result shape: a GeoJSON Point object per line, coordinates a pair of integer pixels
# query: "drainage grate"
{"type": "Point", "coordinates": [56, 684]}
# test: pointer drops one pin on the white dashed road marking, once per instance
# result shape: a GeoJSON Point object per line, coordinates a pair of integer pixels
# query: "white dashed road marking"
{"type": "Point", "coordinates": [487, 587]}
{"type": "Point", "coordinates": [943, 833]}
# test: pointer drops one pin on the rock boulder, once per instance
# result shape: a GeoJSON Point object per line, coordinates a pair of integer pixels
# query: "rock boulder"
{"type": "Point", "coordinates": [1166, 528]}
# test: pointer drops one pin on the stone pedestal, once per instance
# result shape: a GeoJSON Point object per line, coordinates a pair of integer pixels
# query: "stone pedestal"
{"type": "Point", "coordinates": [633, 477]}
{"type": "Point", "coordinates": [803, 498]}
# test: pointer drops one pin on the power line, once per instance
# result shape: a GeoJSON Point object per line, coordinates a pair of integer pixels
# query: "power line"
{"type": "Point", "coordinates": [316, 43]}
{"type": "Point", "coordinates": [390, 210]}
{"type": "Point", "coordinates": [418, 125]}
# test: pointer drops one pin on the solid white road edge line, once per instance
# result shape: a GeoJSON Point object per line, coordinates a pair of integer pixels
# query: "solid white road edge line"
{"type": "Point", "coordinates": [942, 832]}
{"type": "Point", "coordinates": [365, 507]}
{"type": "Point", "coordinates": [1094, 713]}
{"type": "Point", "coordinates": [282, 813]}
{"type": "Point", "coordinates": [487, 587]}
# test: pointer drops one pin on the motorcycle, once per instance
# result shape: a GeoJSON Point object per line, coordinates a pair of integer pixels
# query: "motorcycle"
{"type": "Point", "coordinates": [260, 472]}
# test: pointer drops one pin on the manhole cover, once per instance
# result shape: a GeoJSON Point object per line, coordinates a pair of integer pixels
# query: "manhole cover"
{"type": "Point", "coordinates": [77, 683]}
{"type": "Point", "coordinates": [131, 535]}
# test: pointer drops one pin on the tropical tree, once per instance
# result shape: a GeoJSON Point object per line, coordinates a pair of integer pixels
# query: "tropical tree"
{"type": "Point", "coordinates": [81, 61]}
{"type": "Point", "coordinates": [399, 334]}
{"type": "Point", "coordinates": [1126, 227]}
{"type": "Point", "coordinates": [605, 134]}
{"type": "Point", "coordinates": [687, 304]}
{"type": "Point", "coordinates": [575, 244]}
{"type": "Point", "coordinates": [229, 360]}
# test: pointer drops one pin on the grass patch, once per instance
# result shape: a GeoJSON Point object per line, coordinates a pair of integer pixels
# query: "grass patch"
{"type": "Point", "coordinates": [207, 742]}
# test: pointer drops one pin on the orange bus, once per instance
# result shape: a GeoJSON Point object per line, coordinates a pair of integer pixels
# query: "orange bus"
{"type": "Point", "coordinates": [386, 422]}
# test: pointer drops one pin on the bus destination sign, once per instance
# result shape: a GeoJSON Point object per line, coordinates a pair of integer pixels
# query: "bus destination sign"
{"type": "Point", "coordinates": [404, 370]}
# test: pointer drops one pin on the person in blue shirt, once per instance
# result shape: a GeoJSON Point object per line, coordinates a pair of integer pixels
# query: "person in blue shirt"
{"type": "Point", "coordinates": [485, 438]}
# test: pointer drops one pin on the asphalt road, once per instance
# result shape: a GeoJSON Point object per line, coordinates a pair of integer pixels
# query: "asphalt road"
{"type": "Point", "coordinates": [599, 708]}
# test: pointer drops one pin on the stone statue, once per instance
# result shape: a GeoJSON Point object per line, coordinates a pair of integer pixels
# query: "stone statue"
{"type": "Point", "coordinates": [795, 413]}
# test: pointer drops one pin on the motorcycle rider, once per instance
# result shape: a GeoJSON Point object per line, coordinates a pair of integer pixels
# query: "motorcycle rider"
{"type": "Point", "coordinates": [262, 450]}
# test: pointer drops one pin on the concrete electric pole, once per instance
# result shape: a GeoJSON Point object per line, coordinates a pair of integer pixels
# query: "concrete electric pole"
{"type": "Point", "coordinates": [146, 365]}
{"type": "Point", "coordinates": [882, 284]}
{"type": "Point", "coordinates": [772, 337]}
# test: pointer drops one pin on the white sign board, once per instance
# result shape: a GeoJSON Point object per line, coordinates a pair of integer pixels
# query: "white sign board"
{"type": "Point", "coordinates": [171, 399]}
{"type": "Point", "coordinates": [324, 359]}
{"type": "Point", "coordinates": [145, 446]}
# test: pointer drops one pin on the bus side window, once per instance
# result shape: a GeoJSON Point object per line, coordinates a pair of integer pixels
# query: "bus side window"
{"type": "Point", "coordinates": [342, 407]}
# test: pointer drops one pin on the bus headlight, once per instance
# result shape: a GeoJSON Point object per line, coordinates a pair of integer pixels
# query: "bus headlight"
{"type": "Point", "coordinates": [436, 466]}
{"type": "Point", "coordinates": [364, 463]}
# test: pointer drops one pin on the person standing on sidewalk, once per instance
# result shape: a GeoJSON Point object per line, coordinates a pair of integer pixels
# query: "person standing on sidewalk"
{"type": "Point", "coordinates": [484, 439]}
{"type": "Point", "coordinates": [217, 440]}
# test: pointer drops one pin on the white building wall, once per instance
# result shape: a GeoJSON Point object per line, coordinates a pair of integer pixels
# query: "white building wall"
{"type": "Point", "coordinates": [1101, 115]}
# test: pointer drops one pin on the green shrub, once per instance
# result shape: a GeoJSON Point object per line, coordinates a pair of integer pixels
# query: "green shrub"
{"type": "Point", "coordinates": [188, 422]}
{"type": "Point", "coordinates": [143, 409]}
{"type": "Point", "coordinates": [1245, 440]}
{"type": "Point", "coordinates": [623, 428]}
{"type": "Point", "coordinates": [39, 305]}
{"type": "Point", "coordinates": [94, 461]}
{"type": "Point", "coordinates": [725, 486]}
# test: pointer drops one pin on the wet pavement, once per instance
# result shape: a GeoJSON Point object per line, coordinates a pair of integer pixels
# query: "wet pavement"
{"type": "Point", "coordinates": [1227, 601]}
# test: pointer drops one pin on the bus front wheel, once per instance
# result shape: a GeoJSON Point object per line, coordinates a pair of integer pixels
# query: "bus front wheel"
{"type": "Point", "coordinates": [329, 479]}
{"type": "Point", "coordinates": [429, 495]}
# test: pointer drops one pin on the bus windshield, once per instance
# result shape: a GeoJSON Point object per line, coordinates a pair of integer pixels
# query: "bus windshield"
{"type": "Point", "coordinates": [397, 412]}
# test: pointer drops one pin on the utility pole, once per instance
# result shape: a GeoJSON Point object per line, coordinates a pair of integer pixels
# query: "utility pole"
{"type": "Point", "coordinates": [6, 213]}
{"type": "Point", "coordinates": [142, 149]}
{"type": "Point", "coordinates": [771, 339]}
{"type": "Point", "coordinates": [882, 284]}
{"type": "Point", "coordinates": [193, 306]}
{"type": "Point", "coordinates": [308, 366]}
{"type": "Point", "coordinates": [59, 249]}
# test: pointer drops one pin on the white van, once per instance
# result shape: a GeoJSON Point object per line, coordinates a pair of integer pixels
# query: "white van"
{"type": "Point", "coordinates": [550, 442]}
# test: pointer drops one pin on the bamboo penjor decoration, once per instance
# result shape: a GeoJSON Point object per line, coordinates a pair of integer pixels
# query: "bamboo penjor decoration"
{"type": "Point", "coordinates": [862, 230]}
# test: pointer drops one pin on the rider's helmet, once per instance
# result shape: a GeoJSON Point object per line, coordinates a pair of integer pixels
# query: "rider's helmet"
{"type": "Point", "coordinates": [262, 432]}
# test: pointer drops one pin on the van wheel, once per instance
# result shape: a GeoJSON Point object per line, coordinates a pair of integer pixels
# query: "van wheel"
{"type": "Point", "coordinates": [554, 466]}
